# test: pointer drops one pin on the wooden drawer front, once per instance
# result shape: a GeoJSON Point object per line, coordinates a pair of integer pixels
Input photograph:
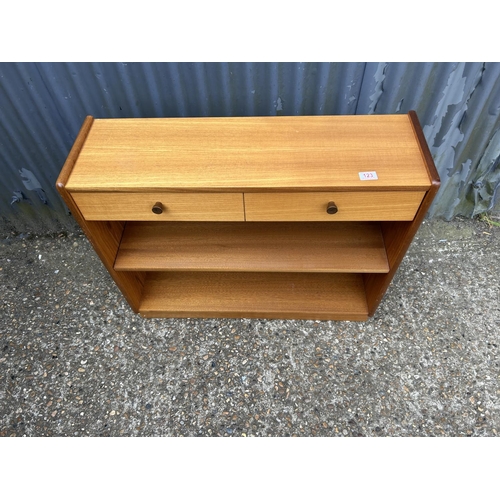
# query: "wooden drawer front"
{"type": "Point", "coordinates": [175, 206]}
{"type": "Point", "coordinates": [357, 206]}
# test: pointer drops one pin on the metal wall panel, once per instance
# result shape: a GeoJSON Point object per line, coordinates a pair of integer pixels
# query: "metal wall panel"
{"type": "Point", "coordinates": [42, 106]}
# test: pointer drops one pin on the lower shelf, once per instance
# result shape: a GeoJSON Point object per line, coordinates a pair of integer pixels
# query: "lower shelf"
{"type": "Point", "coordinates": [321, 296]}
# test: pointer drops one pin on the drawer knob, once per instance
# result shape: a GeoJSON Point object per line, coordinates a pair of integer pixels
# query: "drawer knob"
{"type": "Point", "coordinates": [158, 208]}
{"type": "Point", "coordinates": [331, 208]}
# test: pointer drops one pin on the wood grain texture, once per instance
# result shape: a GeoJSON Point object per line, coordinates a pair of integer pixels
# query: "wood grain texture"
{"type": "Point", "coordinates": [250, 153]}
{"type": "Point", "coordinates": [253, 247]}
{"type": "Point", "coordinates": [356, 206]}
{"type": "Point", "coordinates": [255, 295]}
{"type": "Point", "coordinates": [104, 236]}
{"type": "Point", "coordinates": [177, 206]}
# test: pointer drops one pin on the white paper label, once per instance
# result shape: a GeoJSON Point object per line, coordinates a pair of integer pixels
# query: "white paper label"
{"type": "Point", "coordinates": [368, 176]}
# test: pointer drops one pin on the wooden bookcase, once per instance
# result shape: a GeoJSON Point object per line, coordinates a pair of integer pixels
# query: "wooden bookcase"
{"type": "Point", "coordinates": [304, 217]}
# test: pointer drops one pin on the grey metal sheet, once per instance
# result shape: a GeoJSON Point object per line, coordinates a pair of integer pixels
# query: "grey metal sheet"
{"type": "Point", "coordinates": [42, 106]}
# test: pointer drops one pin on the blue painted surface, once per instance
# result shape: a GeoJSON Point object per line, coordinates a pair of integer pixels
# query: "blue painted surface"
{"type": "Point", "coordinates": [42, 106]}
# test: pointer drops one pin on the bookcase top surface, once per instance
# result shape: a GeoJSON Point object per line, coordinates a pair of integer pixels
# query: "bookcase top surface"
{"type": "Point", "coordinates": [369, 152]}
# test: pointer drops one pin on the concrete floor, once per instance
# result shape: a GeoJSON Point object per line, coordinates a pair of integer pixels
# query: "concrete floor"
{"type": "Point", "coordinates": [75, 361]}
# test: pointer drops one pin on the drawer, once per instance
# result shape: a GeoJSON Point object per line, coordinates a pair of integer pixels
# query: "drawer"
{"type": "Point", "coordinates": [349, 206]}
{"type": "Point", "coordinates": [174, 206]}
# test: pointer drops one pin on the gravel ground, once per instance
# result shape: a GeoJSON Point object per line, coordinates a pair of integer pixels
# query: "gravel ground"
{"type": "Point", "coordinates": [75, 361]}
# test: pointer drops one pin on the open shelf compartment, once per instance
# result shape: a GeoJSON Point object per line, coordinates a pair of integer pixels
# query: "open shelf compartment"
{"type": "Point", "coordinates": [312, 247]}
{"type": "Point", "coordinates": [319, 296]}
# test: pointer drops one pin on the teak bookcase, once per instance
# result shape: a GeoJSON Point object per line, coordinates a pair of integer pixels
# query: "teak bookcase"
{"type": "Point", "coordinates": [299, 217]}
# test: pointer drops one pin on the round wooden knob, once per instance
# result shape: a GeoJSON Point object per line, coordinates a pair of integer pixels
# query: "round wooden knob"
{"type": "Point", "coordinates": [331, 208]}
{"type": "Point", "coordinates": [158, 208]}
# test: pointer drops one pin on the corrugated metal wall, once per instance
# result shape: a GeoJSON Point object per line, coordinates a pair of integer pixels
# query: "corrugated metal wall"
{"type": "Point", "coordinates": [42, 106]}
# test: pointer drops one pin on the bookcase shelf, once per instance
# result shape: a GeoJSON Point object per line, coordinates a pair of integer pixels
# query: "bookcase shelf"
{"type": "Point", "coordinates": [255, 295]}
{"type": "Point", "coordinates": [261, 217]}
{"type": "Point", "coordinates": [321, 247]}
